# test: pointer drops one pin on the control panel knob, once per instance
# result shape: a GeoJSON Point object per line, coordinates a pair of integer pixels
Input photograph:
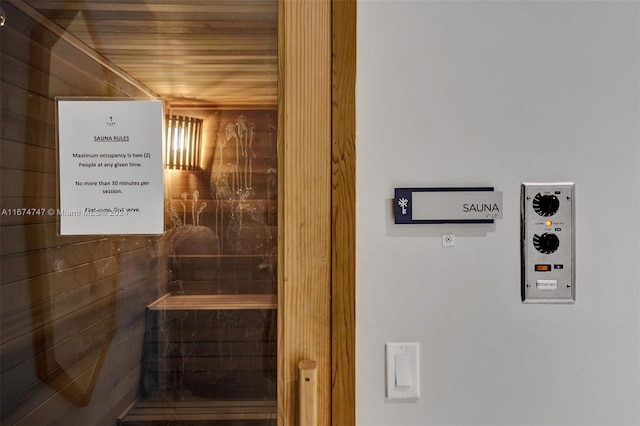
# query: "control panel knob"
{"type": "Point", "coordinates": [546, 205]}
{"type": "Point", "coordinates": [546, 243]}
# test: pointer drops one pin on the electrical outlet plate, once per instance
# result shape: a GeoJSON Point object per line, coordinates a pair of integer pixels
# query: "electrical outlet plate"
{"type": "Point", "coordinates": [548, 243]}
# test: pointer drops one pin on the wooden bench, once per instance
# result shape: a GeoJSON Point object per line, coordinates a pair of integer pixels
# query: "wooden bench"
{"type": "Point", "coordinates": [172, 302]}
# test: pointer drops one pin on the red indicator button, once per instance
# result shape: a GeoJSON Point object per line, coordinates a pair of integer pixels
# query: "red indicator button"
{"type": "Point", "coordinates": [543, 268]}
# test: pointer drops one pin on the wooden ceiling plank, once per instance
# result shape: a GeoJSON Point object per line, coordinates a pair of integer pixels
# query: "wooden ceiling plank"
{"type": "Point", "coordinates": [192, 39]}
{"type": "Point", "coordinates": [164, 49]}
{"type": "Point", "coordinates": [196, 61]}
{"type": "Point", "coordinates": [209, 52]}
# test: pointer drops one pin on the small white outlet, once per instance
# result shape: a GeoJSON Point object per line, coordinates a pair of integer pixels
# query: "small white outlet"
{"type": "Point", "coordinates": [448, 240]}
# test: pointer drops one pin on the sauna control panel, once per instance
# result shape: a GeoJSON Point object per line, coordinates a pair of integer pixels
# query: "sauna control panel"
{"type": "Point", "coordinates": [548, 242]}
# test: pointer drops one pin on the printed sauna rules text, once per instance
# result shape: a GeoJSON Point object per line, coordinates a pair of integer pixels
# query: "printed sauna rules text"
{"type": "Point", "coordinates": [111, 177]}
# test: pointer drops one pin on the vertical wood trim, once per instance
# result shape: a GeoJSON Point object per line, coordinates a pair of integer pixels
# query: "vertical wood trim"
{"type": "Point", "coordinates": [304, 270]}
{"type": "Point", "coordinates": [343, 339]}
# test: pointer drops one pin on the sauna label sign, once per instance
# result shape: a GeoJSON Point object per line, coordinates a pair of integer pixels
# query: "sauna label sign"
{"type": "Point", "coordinates": [110, 166]}
{"type": "Point", "coordinates": [447, 205]}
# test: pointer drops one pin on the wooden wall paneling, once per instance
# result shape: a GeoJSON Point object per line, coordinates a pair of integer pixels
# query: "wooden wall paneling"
{"type": "Point", "coordinates": [130, 326]}
{"type": "Point", "coordinates": [16, 295]}
{"type": "Point", "coordinates": [52, 80]}
{"type": "Point", "coordinates": [220, 207]}
{"type": "Point", "coordinates": [228, 355]}
{"type": "Point", "coordinates": [61, 359]}
{"type": "Point", "coordinates": [17, 239]}
{"type": "Point", "coordinates": [26, 405]}
{"type": "Point", "coordinates": [343, 214]}
{"type": "Point", "coordinates": [120, 358]}
{"type": "Point", "coordinates": [22, 266]}
{"type": "Point", "coordinates": [19, 101]}
{"type": "Point", "coordinates": [14, 266]}
{"type": "Point", "coordinates": [73, 307]}
{"type": "Point", "coordinates": [27, 157]}
{"type": "Point", "coordinates": [21, 321]}
{"type": "Point", "coordinates": [116, 399]}
{"type": "Point", "coordinates": [221, 285]}
{"type": "Point", "coordinates": [305, 207]}
{"type": "Point", "coordinates": [19, 128]}
{"type": "Point", "coordinates": [61, 277]}
{"type": "Point", "coordinates": [62, 336]}
{"type": "Point", "coordinates": [12, 203]}
{"type": "Point", "coordinates": [204, 274]}
{"type": "Point", "coordinates": [64, 310]}
{"type": "Point", "coordinates": [116, 396]}
{"type": "Point", "coordinates": [71, 319]}
{"type": "Point", "coordinates": [18, 182]}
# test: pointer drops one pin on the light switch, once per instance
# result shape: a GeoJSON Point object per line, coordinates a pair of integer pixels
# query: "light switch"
{"type": "Point", "coordinates": [402, 371]}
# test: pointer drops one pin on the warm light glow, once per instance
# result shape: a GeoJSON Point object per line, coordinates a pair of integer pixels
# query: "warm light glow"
{"type": "Point", "coordinates": [184, 135]}
{"type": "Point", "coordinates": [548, 223]}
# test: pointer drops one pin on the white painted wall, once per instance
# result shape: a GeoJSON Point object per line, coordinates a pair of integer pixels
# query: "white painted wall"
{"type": "Point", "coordinates": [496, 93]}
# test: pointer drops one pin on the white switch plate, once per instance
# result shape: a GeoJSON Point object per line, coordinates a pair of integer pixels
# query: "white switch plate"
{"type": "Point", "coordinates": [405, 356]}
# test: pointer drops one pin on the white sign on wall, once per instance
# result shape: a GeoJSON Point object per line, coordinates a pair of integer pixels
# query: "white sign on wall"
{"type": "Point", "coordinates": [110, 166]}
{"type": "Point", "coordinates": [447, 205]}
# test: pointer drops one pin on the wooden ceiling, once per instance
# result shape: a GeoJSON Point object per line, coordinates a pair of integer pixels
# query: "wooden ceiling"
{"type": "Point", "coordinates": [192, 53]}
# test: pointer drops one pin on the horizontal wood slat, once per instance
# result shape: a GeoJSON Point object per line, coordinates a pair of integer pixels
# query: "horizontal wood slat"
{"type": "Point", "coordinates": [65, 307]}
{"type": "Point", "coordinates": [183, 412]}
{"type": "Point", "coordinates": [29, 264]}
{"type": "Point", "coordinates": [170, 302]}
{"type": "Point", "coordinates": [204, 364]}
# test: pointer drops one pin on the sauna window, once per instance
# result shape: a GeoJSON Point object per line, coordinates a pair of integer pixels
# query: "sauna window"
{"type": "Point", "coordinates": [177, 328]}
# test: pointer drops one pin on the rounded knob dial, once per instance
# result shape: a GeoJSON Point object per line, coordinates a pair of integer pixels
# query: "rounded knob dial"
{"type": "Point", "coordinates": [546, 243]}
{"type": "Point", "coordinates": [546, 205]}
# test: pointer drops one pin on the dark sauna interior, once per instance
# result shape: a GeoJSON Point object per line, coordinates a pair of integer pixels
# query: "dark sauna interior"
{"type": "Point", "coordinates": [178, 328]}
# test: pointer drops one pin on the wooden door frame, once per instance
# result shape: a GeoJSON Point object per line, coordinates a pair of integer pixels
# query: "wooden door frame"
{"type": "Point", "coordinates": [316, 155]}
{"type": "Point", "coordinates": [343, 225]}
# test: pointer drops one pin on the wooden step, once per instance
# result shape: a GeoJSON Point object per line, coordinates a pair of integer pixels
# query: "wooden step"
{"type": "Point", "coordinates": [153, 412]}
